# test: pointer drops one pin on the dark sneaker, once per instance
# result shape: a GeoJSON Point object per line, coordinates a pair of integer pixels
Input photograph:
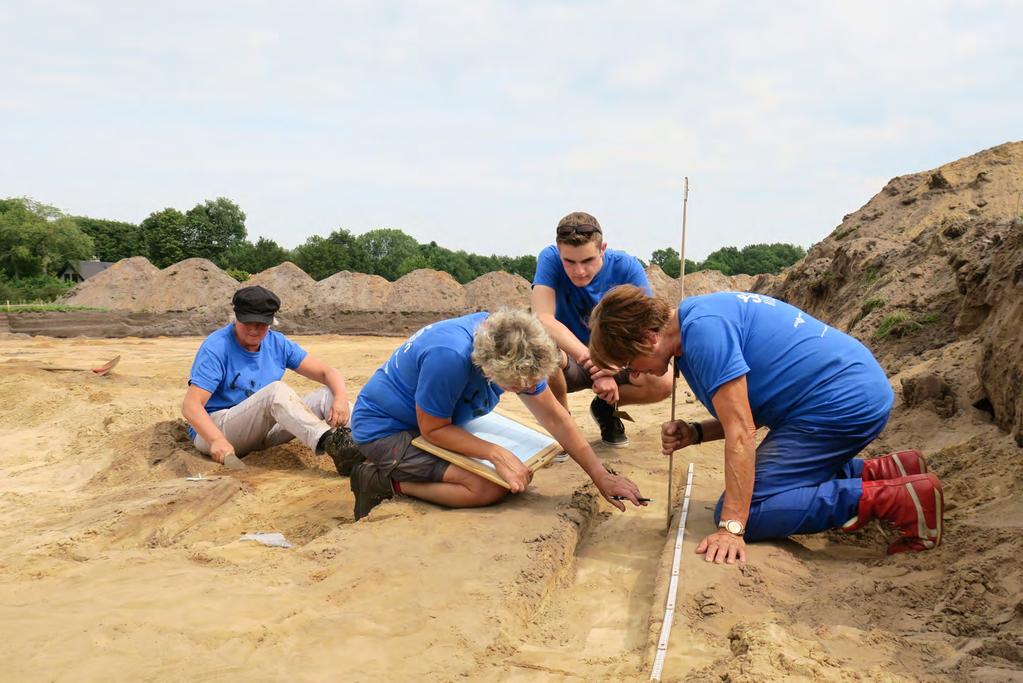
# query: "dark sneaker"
{"type": "Point", "coordinates": [370, 487]}
{"type": "Point", "coordinates": [612, 431]}
{"type": "Point", "coordinates": [338, 444]}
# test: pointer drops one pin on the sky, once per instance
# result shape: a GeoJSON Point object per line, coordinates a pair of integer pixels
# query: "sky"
{"type": "Point", "coordinates": [479, 124]}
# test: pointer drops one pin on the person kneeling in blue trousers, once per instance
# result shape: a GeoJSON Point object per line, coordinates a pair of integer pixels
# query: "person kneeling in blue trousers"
{"type": "Point", "coordinates": [754, 361]}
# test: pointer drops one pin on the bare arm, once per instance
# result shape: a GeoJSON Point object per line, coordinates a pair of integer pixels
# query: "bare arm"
{"type": "Point", "coordinates": [553, 417]}
{"type": "Point", "coordinates": [318, 371]}
{"type": "Point", "coordinates": [193, 409]}
{"type": "Point", "coordinates": [544, 304]}
{"type": "Point", "coordinates": [440, 431]}
{"type": "Point", "coordinates": [731, 402]}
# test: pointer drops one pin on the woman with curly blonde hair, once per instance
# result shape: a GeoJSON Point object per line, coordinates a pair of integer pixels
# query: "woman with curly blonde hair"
{"type": "Point", "coordinates": [445, 375]}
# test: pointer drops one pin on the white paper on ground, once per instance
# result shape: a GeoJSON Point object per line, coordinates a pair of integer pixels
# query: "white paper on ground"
{"type": "Point", "coordinates": [274, 539]}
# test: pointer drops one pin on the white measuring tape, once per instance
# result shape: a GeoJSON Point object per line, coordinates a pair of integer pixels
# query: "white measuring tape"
{"type": "Point", "coordinates": [669, 608]}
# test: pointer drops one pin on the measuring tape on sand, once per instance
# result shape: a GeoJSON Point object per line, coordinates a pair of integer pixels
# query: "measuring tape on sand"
{"type": "Point", "coordinates": [669, 607]}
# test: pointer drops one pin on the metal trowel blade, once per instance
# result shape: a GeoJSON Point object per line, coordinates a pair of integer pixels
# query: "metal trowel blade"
{"type": "Point", "coordinates": [231, 460]}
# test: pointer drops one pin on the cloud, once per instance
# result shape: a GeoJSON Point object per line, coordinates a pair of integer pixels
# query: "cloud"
{"type": "Point", "coordinates": [442, 117]}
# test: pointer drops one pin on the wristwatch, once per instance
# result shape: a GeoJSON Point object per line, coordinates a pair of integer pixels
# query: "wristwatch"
{"type": "Point", "coordinates": [697, 428]}
{"type": "Point", "coordinates": [732, 526]}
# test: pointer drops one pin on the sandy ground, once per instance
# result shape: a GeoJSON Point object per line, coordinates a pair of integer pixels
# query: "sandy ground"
{"type": "Point", "coordinates": [114, 567]}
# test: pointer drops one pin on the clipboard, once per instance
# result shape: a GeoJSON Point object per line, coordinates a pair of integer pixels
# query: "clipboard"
{"type": "Point", "coordinates": [531, 446]}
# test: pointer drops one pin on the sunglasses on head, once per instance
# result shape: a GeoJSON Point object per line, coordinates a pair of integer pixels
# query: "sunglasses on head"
{"type": "Point", "coordinates": [579, 229]}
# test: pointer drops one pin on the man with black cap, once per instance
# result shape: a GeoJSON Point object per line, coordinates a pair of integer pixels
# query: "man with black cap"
{"type": "Point", "coordinates": [236, 402]}
{"type": "Point", "coordinates": [572, 275]}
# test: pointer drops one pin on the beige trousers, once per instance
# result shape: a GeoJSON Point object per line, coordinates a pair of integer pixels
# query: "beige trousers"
{"type": "Point", "coordinates": [273, 415]}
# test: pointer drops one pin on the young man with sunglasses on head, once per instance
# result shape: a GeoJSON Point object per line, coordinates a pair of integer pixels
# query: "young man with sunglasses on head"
{"type": "Point", "coordinates": [572, 276]}
{"type": "Point", "coordinates": [236, 402]}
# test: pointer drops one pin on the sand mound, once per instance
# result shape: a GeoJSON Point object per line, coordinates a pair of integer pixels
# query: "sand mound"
{"type": "Point", "coordinates": [188, 284]}
{"type": "Point", "coordinates": [296, 289]}
{"type": "Point", "coordinates": [492, 291]}
{"type": "Point", "coordinates": [349, 291]}
{"type": "Point", "coordinates": [426, 290]}
{"type": "Point", "coordinates": [708, 282]}
{"type": "Point", "coordinates": [700, 282]}
{"type": "Point", "coordinates": [934, 257]}
{"type": "Point", "coordinates": [663, 285]}
{"type": "Point", "coordinates": [742, 283]}
{"type": "Point", "coordinates": [119, 287]}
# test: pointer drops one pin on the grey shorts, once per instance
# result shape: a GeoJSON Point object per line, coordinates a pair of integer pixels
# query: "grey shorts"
{"type": "Point", "coordinates": [397, 458]}
{"type": "Point", "coordinates": [578, 379]}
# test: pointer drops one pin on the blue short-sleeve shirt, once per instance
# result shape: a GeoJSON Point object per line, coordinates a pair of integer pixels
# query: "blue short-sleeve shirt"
{"type": "Point", "coordinates": [797, 368]}
{"type": "Point", "coordinates": [573, 305]}
{"type": "Point", "coordinates": [434, 370]}
{"type": "Point", "coordinates": [231, 374]}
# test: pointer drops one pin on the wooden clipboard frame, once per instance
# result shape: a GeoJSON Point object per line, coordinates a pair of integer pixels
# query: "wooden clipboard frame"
{"type": "Point", "coordinates": [474, 465]}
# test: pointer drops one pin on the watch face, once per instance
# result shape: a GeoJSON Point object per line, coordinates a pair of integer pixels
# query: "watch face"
{"type": "Point", "coordinates": [733, 526]}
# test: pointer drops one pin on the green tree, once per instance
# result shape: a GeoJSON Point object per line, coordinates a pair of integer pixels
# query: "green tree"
{"type": "Point", "coordinates": [255, 258]}
{"type": "Point", "coordinates": [522, 265]}
{"type": "Point", "coordinates": [35, 288]}
{"type": "Point", "coordinates": [37, 239]}
{"type": "Point", "coordinates": [668, 261]}
{"type": "Point", "coordinates": [456, 263]}
{"type": "Point", "coordinates": [726, 259]}
{"type": "Point", "coordinates": [769, 258]}
{"type": "Point", "coordinates": [213, 228]}
{"type": "Point", "coordinates": [322, 257]}
{"type": "Point", "coordinates": [114, 240]}
{"type": "Point", "coordinates": [391, 253]}
{"type": "Point", "coordinates": [164, 236]}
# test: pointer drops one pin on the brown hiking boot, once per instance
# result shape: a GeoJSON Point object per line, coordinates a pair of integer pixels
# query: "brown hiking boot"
{"type": "Point", "coordinates": [370, 487]}
{"type": "Point", "coordinates": [338, 444]}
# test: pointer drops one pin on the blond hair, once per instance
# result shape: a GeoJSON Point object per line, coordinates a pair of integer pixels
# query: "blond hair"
{"type": "Point", "coordinates": [513, 349]}
{"type": "Point", "coordinates": [620, 323]}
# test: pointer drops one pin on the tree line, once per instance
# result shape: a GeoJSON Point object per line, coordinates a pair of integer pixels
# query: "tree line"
{"type": "Point", "coordinates": [753, 259]}
{"type": "Point", "coordinates": [37, 240]}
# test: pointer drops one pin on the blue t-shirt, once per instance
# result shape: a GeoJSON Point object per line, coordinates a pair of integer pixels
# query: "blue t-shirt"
{"type": "Point", "coordinates": [232, 374]}
{"type": "Point", "coordinates": [573, 305]}
{"type": "Point", "coordinates": [433, 370]}
{"type": "Point", "coordinates": [797, 368]}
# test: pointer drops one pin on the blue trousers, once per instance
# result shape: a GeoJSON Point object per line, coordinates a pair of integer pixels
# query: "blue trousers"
{"type": "Point", "coordinates": [807, 479]}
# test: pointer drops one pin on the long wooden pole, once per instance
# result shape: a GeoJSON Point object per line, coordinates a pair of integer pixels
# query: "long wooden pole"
{"type": "Point", "coordinates": [674, 362]}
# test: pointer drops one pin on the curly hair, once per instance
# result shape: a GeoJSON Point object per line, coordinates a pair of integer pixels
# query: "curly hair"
{"type": "Point", "coordinates": [620, 323]}
{"type": "Point", "coordinates": [513, 349]}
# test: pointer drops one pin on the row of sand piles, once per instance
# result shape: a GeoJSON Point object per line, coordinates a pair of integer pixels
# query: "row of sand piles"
{"type": "Point", "coordinates": [700, 282]}
{"type": "Point", "coordinates": [420, 290]}
{"type": "Point", "coordinates": [135, 284]}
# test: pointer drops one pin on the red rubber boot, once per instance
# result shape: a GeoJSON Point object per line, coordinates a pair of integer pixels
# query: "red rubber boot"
{"type": "Point", "coordinates": [894, 465]}
{"type": "Point", "coordinates": [914, 505]}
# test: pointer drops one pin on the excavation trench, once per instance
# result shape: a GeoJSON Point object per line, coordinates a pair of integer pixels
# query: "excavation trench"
{"type": "Point", "coordinates": [603, 589]}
